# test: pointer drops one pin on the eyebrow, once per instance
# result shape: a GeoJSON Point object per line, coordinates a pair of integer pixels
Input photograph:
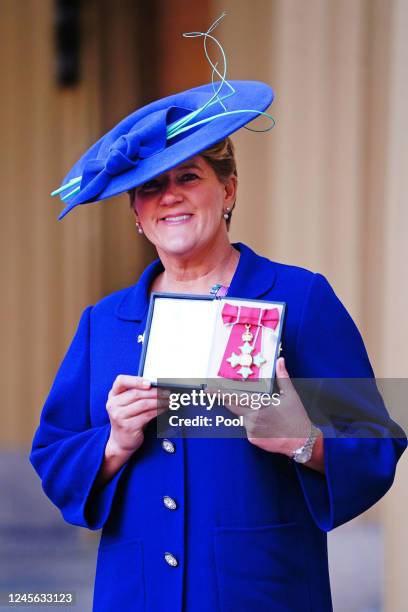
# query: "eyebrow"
{"type": "Point", "coordinates": [189, 165]}
{"type": "Point", "coordinates": [185, 166]}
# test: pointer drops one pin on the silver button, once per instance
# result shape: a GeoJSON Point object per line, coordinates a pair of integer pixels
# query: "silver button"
{"type": "Point", "coordinates": [168, 446]}
{"type": "Point", "coordinates": [169, 502]}
{"type": "Point", "coordinates": [171, 559]}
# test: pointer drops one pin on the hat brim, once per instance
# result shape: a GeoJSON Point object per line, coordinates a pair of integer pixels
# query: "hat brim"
{"type": "Point", "coordinates": [250, 98]}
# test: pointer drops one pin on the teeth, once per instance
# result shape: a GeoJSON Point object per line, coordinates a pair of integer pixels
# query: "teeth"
{"type": "Point", "coordinates": [179, 218]}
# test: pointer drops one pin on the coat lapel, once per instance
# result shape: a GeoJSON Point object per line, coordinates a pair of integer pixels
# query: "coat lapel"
{"type": "Point", "coordinates": [254, 276]}
{"type": "Point", "coordinates": [134, 304]}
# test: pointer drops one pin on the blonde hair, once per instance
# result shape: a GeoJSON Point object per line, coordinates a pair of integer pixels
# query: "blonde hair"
{"type": "Point", "coordinates": [221, 158]}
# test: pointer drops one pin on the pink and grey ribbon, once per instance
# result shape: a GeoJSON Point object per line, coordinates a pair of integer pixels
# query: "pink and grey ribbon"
{"type": "Point", "coordinates": [238, 317]}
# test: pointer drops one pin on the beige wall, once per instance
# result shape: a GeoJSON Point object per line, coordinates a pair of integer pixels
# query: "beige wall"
{"type": "Point", "coordinates": [395, 329]}
{"type": "Point", "coordinates": [48, 273]}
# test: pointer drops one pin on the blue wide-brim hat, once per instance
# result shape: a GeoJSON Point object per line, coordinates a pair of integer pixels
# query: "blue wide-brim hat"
{"type": "Point", "coordinates": [160, 136]}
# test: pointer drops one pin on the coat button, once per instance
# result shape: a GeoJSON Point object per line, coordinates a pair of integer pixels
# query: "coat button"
{"type": "Point", "coordinates": [171, 559]}
{"type": "Point", "coordinates": [168, 446]}
{"type": "Point", "coordinates": [169, 502]}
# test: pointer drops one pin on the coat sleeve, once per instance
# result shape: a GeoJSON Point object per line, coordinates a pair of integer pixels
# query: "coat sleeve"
{"type": "Point", "coordinates": [361, 443]}
{"type": "Point", "coordinates": [67, 451]}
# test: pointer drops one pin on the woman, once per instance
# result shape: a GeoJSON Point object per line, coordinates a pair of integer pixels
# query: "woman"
{"type": "Point", "coordinates": [186, 214]}
{"type": "Point", "coordinates": [201, 525]}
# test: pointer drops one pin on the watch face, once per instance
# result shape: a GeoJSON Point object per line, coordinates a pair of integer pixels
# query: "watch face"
{"type": "Point", "coordinates": [303, 455]}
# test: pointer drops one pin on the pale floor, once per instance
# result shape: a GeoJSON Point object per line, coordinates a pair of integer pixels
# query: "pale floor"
{"type": "Point", "coordinates": [39, 552]}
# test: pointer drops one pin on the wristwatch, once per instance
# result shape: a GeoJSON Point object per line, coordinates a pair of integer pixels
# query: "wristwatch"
{"type": "Point", "coordinates": [304, 453]}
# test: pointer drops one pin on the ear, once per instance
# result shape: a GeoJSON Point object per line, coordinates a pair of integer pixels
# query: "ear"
{"type": "Point", "coordinates": [230, 189]}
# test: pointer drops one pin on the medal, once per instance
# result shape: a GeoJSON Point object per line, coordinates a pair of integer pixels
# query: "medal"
{"type": "Point", "coordinates": [243, 358]}
{"type": "Point", "coordinates": [246, 359]}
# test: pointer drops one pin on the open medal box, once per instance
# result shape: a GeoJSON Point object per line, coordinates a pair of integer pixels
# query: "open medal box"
{"type": "Point", "coordinates": [198, 340]}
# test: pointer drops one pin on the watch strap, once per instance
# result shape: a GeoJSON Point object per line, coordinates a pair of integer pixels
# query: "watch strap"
{"type": "Point", "coordinates": [304, 452]}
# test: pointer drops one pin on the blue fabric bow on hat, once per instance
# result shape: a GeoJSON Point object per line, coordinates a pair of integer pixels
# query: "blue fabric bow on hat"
{"type": "Point", "coordinates": [146, 139]}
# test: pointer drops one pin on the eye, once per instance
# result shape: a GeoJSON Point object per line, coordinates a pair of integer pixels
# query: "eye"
{"type": "Point", "coordinates": [150, 186]}
{"type": "Point", "coordinates": [186, 177]}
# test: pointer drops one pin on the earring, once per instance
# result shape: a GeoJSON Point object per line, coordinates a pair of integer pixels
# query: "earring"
{"type": "Point", "coordinates": [226, 215]}
{"type": "Point", "coordinates": [139, 227]}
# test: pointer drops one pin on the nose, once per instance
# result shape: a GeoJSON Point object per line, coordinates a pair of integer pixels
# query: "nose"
{"type": "Point", "coordinates": [171, 193]}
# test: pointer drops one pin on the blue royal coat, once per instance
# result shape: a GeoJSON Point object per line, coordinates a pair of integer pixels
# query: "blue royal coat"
{"type": "Point", "coordinates": [249, 529]}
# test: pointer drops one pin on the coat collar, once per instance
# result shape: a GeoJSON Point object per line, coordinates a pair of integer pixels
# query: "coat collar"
{"type": "Point", "coordinates": [253, 278]}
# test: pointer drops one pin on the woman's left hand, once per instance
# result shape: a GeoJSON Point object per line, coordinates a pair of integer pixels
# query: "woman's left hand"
{"type": "Point", "coordinates": [284, 427]}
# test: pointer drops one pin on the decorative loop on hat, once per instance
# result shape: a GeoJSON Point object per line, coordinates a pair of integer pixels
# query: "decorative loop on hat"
{"type": "Point", "coordinates": [185, 124]}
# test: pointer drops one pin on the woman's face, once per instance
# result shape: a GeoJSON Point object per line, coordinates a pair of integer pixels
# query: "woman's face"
{"type": "Point", "coordinates": [182, 210]}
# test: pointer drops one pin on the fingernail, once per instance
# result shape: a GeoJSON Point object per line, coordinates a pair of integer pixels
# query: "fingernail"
{"type": "Point", "coordinates": [145, 382]}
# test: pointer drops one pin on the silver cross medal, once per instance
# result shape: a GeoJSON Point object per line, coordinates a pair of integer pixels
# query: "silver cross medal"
{"type": "Point", "coordinates": [245, 359]}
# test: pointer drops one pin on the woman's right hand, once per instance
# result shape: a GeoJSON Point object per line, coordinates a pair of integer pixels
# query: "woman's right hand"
{"type": "Point", "coordinates": [132, 403]}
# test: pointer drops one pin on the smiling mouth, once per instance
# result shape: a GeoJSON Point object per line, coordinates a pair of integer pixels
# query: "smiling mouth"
{"type": "Point", "coordinates": [173, 219]}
